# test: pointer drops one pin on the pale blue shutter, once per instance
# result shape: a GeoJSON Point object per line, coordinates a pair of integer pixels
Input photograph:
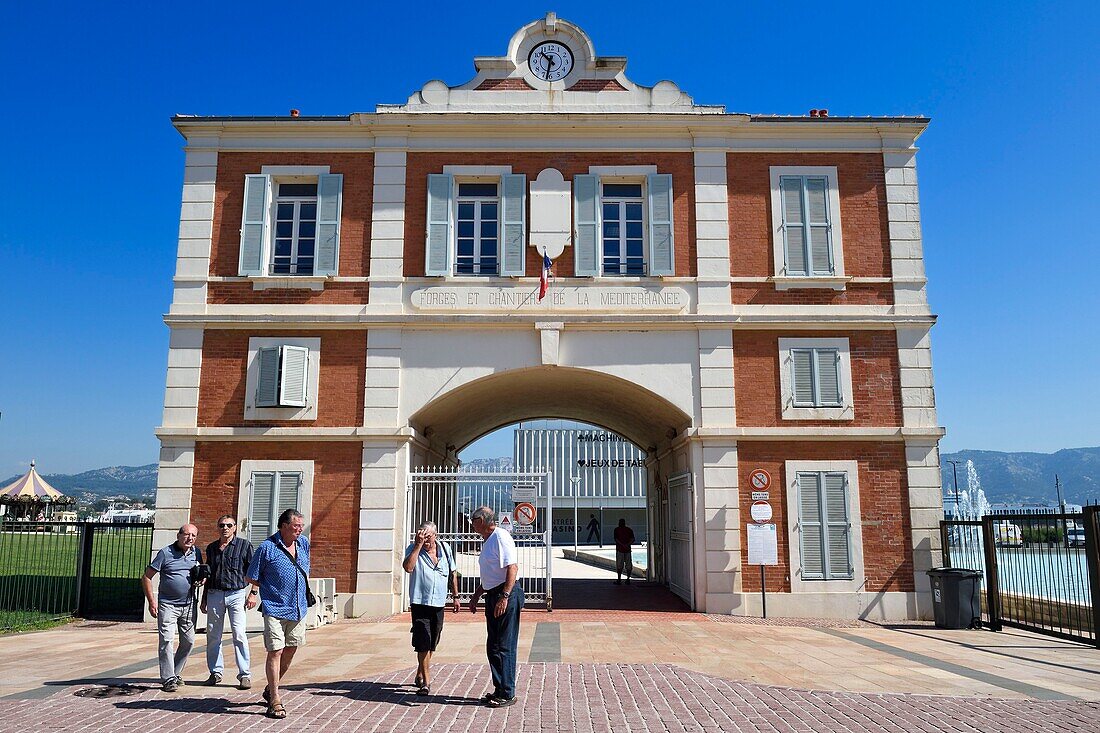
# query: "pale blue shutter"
{"type": "Point", "coordinates": [586, 220]}
{"type": "Point", "coordinates": [810, 526]}
{"type": "Point", "coordinates": [838, 531]}
{"type": "Point", "coordinates": [292, 384]}
{"type": "Point", "coordinates": [288, 491]}
{"type": "Point", "coordinates": [254, 225]}
{"type": "Point", "coordinates": [329, 195]}
{"type": "Point", "coordinates": [818, 226]}
{"type": "Point", "coordinates": [437, 256]}
{"type": "Point", "coordinates": [828, 376]}
{"type": "Point", "coordinates": [513, 198]}
{"type": "Point", "coordinates": [261, 523]}
{"type": "Point", "coordinates": [794, 246]}
{"type": "Point", "coordinates": [267, 381]}
{"type": "Point", "coordinates": [661, 252]}
{"type": "Point", "coordinates": [802, 377]}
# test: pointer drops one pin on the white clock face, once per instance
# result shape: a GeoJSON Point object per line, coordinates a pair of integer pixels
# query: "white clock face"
{"type": "Point", "coordinates": [550, 61]}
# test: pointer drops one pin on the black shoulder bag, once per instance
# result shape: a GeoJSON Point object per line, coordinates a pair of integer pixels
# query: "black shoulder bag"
{"type": "Point", "coordinates": [311, 600]}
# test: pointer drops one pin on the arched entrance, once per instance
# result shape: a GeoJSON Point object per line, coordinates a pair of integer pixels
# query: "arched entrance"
{"type": "Point", "coordinates": [453, 420]}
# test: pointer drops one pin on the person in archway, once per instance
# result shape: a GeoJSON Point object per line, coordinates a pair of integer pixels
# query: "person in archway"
{"type": "Point", "coordinates": [431, 568]}
{"type": "Point", "coordinates": [624, 538]}
{"type": "Point", "coordinates": [499, 566]}
{"type": "Point", "coordinates": [594, 530]}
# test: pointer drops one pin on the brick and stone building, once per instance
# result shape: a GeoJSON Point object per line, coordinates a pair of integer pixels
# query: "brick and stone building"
{"type": "Point", "coordinates": [357, 296]}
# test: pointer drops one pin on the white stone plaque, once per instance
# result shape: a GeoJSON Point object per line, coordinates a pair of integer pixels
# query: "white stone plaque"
{"type": "Point", "coordinates": [524, 298]}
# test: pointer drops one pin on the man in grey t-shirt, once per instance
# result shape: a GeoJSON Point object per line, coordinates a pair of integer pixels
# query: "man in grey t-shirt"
{"type": "Point", "coordinates": [173, 606]}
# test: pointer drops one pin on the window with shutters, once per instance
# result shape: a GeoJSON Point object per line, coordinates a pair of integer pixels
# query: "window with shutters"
{"type": "Point", "coordinates": [291, 223]}
{"type": "Point", "coordinates": [282, 378]}
{"type": "Point", "coordinates": [476, 222]}
{"type": "Point", "coordinates": [824, 525]}
{"type": "Point", "coordinates": [268, 488]}
{"type": "Point", "coordinates": [623, 222]}
{"type": "Point", "coordinates": [807, 240]}
{"type": "Point", "coordinates": [816, 379]}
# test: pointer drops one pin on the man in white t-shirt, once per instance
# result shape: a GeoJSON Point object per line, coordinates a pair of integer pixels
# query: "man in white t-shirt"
{"type": "Point", "coordinates": [499, 566]}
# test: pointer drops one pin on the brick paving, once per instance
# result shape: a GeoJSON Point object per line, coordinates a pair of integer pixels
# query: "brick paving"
{"type": "Point", "coordinates": [588, 698]}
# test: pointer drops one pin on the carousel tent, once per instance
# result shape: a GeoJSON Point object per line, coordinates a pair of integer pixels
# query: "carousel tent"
{"type": "Point", "coordinates": [30, 495]}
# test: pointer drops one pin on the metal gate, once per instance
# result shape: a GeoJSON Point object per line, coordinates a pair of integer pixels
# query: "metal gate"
{"type": "Point", "coordinates": [448, 495]}
{"type": "Point", "coordinates": [680, 565]}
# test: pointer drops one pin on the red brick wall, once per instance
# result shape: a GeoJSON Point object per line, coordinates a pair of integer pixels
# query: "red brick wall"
{"type": "Point", "coordinates": [340, 381]}
{"type": "Point", "coordinates": [334, 534]}
{"type": "Point", "coordinates": [680, 165]}
{"type": "Point", "coordinates": [876, 384]}
{"type": "Point", "coordinates": [884, 506]}
{"type": "Point", "coordinates": [358, 172]}
{"type": "Point", "coordinates": [862, 183]}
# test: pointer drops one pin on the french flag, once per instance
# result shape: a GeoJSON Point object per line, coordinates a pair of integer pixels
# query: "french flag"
{"type": "Point", "coordinates": [544, 278]}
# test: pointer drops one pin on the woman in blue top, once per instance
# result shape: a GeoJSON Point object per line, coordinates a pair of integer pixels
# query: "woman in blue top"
{"type": "Point", "coordinates": [429, 563]}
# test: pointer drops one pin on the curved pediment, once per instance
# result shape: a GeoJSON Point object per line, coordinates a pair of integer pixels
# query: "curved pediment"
{"type": "Point", "coordinates": [551, 66]}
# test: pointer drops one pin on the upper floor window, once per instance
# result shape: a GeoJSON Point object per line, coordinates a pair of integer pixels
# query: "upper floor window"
{"type": "Point", "coordinates": [816, 379]}
{"type": "Point", "coordinates": [806, 224]}
{"type": "Point", "coordinates": [478, 229]}
{"type": "Point", "coordinates": [291, 222]}
{"type": "Point", "coordinates": [282, 378]}
{"type": "Point", "coordinates": [623, 227]}
{"type": "Point", "coordinates": [476, 226]}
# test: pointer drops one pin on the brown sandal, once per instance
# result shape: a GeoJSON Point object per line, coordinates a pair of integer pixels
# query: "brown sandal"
{"type": "Point", "coordinates": [276, 710]}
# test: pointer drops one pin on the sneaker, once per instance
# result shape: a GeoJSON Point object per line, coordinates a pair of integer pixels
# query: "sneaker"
{"type": "Point", "coordinates": [244, 683]}
{"type": "Point", "coordinates": [215, 678]}
{"type": "Point", "coordinates": [500, 702]}
{"type": "Point", "coordinates": [180, 682]}
{"type": "Point", "coordinates": [171, 684]}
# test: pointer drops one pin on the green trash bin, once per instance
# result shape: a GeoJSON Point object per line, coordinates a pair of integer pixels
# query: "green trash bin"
{"type": "Point", "coordinates": [956, 597]}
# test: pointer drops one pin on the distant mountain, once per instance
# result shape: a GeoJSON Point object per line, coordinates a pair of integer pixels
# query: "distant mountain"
{"type": "Point", "coordinates": [1029, 477]}
{"type": "Point", "coordinates": [502, 464]}
{"type": "Point", "coordinates": [110, 481]}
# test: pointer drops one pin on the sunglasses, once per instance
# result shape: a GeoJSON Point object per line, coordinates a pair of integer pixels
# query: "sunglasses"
{"type": "Point", "coordinates": [225, 525]}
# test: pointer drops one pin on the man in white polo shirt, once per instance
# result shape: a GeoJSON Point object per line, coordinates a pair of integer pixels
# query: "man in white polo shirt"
{"type": "Point", "coordinates": [499, 565]}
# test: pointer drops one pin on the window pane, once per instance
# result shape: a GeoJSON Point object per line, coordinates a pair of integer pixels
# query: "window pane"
{"type": "Point", "coordinates": [634, 248]}
{"type": "Point", "coordinates": [477, 189]}
{"type": "Point", "coordinates": [298, 190]}
{"type": "Point", "coordinates": [305, 248]}
{"type": "Point", "coordinates": [465, 210]}
{"type": "Point", "coordinates": [304, 267]}
{"type": "Point", "coordinates": [488, 228]}
{"type": "Point", "coordinates": [285, 212]}
{"type": "Point", "coordinates": [308, 212]}
{"type": "Point", "coordinates": [284, 228]}
{"type": "Point", "coordinates": [634, 212]}
{"type": "Point", "coordinates": [282, 248]}
{"type": "Point", "coordinates": [634, 229]}
{"type": "Point", "coordinates": [622, 190]}
{"type": "Point", "coordinates": [489, 211]}
{"type": "Point", "coordinates": [488, 247]}
{"type": "Point", "coordinates": [610, 211]}
{"type": "Point", "coordinates": [466, 247]}
{"type": "Point", "coordinates": [465, 228]}
{"type": "Point", "coordinates": [306, 229]}
{"type": "Point", "coordinates": [611, 229]}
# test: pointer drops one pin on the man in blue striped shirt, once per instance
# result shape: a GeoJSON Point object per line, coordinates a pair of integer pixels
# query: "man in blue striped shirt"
{"type": "Point", "coordinates": [280, 568]}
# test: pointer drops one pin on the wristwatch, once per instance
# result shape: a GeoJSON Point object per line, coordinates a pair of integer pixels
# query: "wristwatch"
{"type": "Point", "coordinates": [254, 592]}
{"type": "Point", "coordinates": [506, 595]}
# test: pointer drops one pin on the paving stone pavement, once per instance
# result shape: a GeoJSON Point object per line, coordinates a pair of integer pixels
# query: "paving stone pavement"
{"type": "Point", "coordinates": [587, 698]}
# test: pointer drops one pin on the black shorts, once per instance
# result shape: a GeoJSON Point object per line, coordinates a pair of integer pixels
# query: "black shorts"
{"type": "Point", "coordinates": [427, 625]}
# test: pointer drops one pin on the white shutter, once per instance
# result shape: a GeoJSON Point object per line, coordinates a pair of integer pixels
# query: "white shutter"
{"type": "Point", "coordinates": [294, 373]}
{"type": "Point", "coordinates": [802, 377]}
{"type": "Point", "coordinates": [257, 193]}
{"type": "Point", "coordinates": [267, 382]}
{"type": "Point", "coordinates": [661, 251]}
{"type": "Point", "coordinates": [810, 526]}
{"type": "Point", "coordinates": [838, 531]}
{"type": "Point", "coordinates": [817, 219]}
{"type": "Point", "coordinates": [828, 376]}
{"type": "Point", "coordinates": [329, 196]}
{"type": "Point", "coordinates": [514, 204]}
{"type": "Point", "coordinates": [437, 256]}
{"type": "Point", "coordinates": [586, 221]}
{"type": "Point", "coordinates": [288, 491]}
{"type": "Point", "coordinates": [261, 522]}
{"type": "Point", "coordinates": [793, 225]}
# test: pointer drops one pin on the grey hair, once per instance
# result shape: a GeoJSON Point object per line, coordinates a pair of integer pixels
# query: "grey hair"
{"type": "Point", "coordinates": [428, 524]}
{"type": "Point", "coordinates": [485, 514]}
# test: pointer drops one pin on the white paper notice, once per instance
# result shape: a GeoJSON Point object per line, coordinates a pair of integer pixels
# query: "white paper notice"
{"type": "Point", "coordinates": [762, 544]}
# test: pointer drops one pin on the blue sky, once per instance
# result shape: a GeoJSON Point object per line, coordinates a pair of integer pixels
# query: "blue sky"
{"type": "Point", "coordinates": [93, 174]}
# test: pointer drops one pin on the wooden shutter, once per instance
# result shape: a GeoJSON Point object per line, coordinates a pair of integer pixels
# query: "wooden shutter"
{"type": "Point", "coordinates": [828, 376]}
{"type": "Point", "coordinates": [261, 520]}
{"type": "Point", "coordinates": [267, 382]}
{"type": "Point", "coordinates": [817, 220]}
{"type": "Point", "coordinates": [513, 190]}
{"type": "Point", "coordinates": [294, 373]}
{"type": "Point", "coordinates": [329, 195]}
{"type": "Point", "coordinates": [437, 256]}
{"type": "Point", "coordinates": [802, 377]}
{"type": "Point", "coordinates": [794, 229]}
{"type": "Point", "coordinates": [810, 525]}
{"type": "Point", "coordinates": [661, 250]}
{"type": "Point", "coordinates": [838, 529]}
{"type": "Point", "coordinates": [288, 491]}
{"type": "Point", "coordinates": [257, 192]}
{"type": "Point", "coordinates": [586, 225]}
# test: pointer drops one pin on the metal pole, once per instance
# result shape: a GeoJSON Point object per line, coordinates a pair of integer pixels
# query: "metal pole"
{"type": "Point", "coordinates": [763, 595]}
{"type": "Point", "coordinates": [575, 480]}
{"type": "Point", "coordinates": [955, 475]}
{"type": "Point", "coordinates": [1062, 509]}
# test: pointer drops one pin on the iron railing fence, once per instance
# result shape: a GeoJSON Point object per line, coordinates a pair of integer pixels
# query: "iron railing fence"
{"type": "Point", "coordinates": [55, 570]}
{"type": "Point", "coordinates": [1040, 571]}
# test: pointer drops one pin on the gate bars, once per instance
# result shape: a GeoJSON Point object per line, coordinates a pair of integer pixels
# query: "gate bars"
{"type": "Point", "coordinates": [447, 495]}
{"type": "Point", "coordinates": [1042, 571]}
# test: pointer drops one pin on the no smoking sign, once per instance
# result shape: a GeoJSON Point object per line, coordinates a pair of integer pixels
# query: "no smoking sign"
{"type": "Point", "coordinates": [524, 514]}
{"type": "Point", "coordinates": [760, 479]}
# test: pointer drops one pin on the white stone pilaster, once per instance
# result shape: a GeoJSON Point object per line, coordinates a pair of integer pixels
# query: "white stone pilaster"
{"type": "Point", "coordinates": [712, 236]}
{"type": "Point", "coordinates": [722, 526]}
{"type": "Point", "coordinates": [903, 216]}
{"type": "Point", "coordinates": [175, 474]}
{"type": "Point", "coordinates": [181, 392]}
{"type": "Point", "coordinates": [716, 388]}
{"type": "Point", "coordinates": [195, 231]}
{"type": "Point", "coordinates": [383, 379]}
{"type": "Point", "coordinates": [387, 233]}
{"type": "Point", "coordinates": [378, 583]}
